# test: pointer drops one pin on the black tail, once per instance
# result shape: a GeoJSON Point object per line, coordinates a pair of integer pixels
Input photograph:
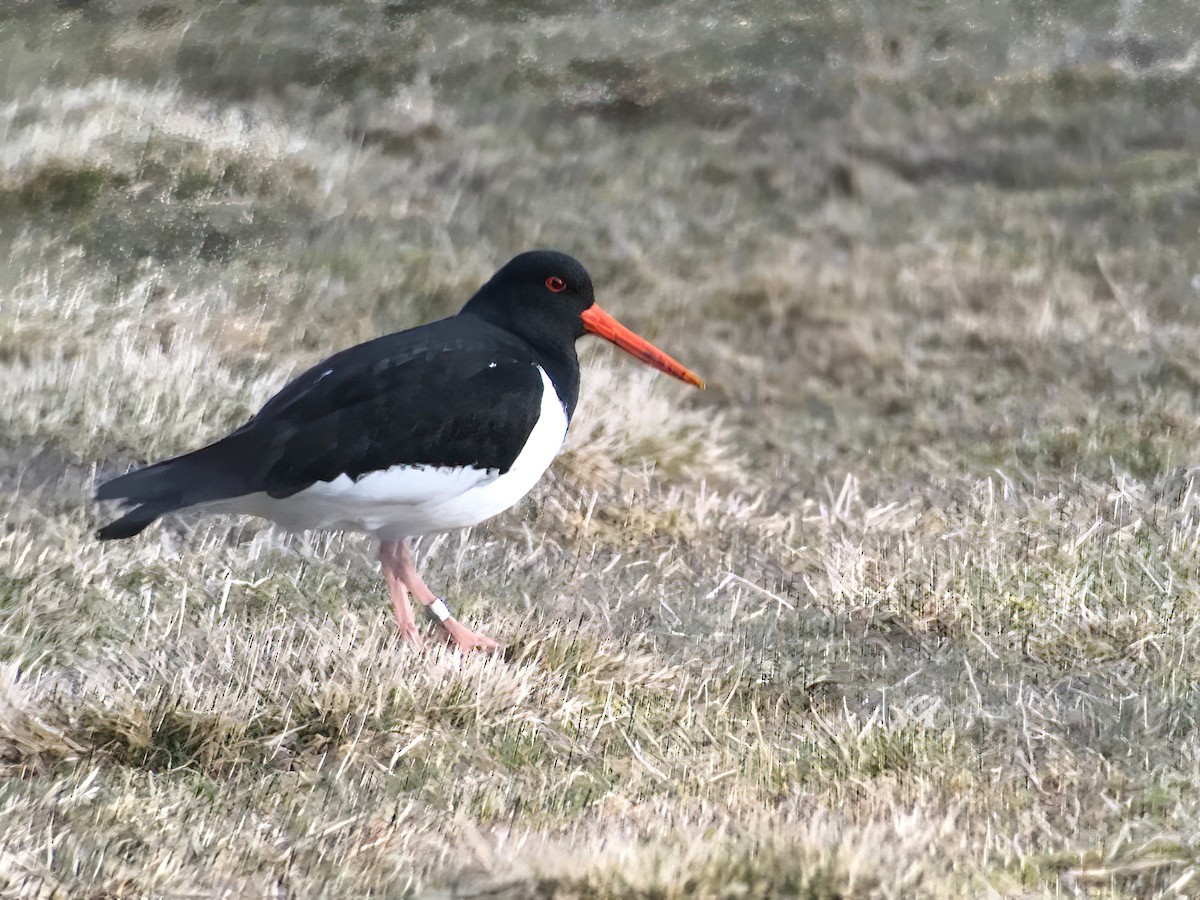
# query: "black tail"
{"type": "Point", "coordinates": [202, 476]}
{"type": "Point", "coordinates": [134, 521]}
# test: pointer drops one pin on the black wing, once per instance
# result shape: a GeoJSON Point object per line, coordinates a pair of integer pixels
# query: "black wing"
{"type": "Point", "coordinates": [458, 392]}
{"type": "Point", "coordinates": [463, 395]}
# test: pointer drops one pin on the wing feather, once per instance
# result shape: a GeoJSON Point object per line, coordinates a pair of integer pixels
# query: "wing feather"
{"type": "Point", "coordinates": [465, 399]}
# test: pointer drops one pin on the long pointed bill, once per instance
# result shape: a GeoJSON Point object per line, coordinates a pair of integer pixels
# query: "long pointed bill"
{"type": "Point", "coordinates": [598, 322]}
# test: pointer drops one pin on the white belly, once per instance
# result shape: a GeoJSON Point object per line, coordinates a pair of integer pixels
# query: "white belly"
{"type": "Point", "coordinates": [407, 501]}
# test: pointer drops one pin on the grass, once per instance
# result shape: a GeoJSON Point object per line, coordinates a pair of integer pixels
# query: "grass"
{"type": "Point", "coordinates": [905, 604]}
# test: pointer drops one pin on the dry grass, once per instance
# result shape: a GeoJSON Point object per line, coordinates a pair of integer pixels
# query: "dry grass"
{"type": "Point", "coordinates": [906, 604]}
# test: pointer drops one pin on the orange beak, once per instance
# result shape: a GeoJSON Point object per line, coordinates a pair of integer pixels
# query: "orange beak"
{"type": "Point", "coordinates": [597, 321]}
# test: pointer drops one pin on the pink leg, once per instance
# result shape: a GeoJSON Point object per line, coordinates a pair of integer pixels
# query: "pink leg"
{"type": "Point", "coordinates": [389, 560]}
{"type": "Point", "coordinates": [402, 577]}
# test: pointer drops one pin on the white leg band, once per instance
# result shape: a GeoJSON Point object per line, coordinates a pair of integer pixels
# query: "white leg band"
{"type": "Point", "coordinates": [439, 611]}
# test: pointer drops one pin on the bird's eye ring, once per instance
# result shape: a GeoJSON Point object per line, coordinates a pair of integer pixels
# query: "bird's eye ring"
{"type": "Point", "coordinates": [556, 284]}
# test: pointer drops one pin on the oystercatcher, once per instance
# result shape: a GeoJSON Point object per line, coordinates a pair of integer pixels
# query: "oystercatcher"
{"type": "Point", "coordinates": [426, 430]}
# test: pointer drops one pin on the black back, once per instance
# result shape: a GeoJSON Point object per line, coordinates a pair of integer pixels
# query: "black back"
{"type": "Point", "coordinates": [458, 392]}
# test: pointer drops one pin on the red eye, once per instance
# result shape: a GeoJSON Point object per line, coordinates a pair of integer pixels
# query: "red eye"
{"type": "Point", "coordinates": [556, 284]}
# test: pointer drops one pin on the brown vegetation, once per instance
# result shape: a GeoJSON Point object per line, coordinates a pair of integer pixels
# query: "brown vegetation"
{"type": "Point", "coordinates": [906, 604]}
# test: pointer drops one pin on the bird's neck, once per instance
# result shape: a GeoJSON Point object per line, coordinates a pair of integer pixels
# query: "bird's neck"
{"type": "Point", "coordinates": [562, 365]}
{"type": "Point", "coordinates": [557, 358]}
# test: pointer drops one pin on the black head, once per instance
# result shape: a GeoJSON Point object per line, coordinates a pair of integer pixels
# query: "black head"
{"type": "Point", "coordinates": [540, 295]}
{"type": "Point", "coordinates": [546, 298]}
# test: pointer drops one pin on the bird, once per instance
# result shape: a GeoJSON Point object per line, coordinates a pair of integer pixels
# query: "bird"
{"type": "Point", "coordinates": [422, 431]}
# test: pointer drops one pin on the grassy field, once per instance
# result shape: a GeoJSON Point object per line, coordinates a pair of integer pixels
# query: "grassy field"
{"type": "Point", "coordinates": [906, 604]}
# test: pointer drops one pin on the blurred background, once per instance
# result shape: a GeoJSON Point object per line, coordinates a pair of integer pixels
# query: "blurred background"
{"type": "Point", "coordinates": [896, 240]}
{"type": "Point", "coordinates": [939, 265]}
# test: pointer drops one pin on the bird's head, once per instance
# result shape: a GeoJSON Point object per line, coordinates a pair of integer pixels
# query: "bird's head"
{"type": "Point", "coordinates": [546, 297]}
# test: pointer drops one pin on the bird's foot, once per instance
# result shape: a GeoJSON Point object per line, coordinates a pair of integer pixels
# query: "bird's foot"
{"type": "Point", "coordinates": [466, 640]}
{"type": "Point", "coordinates": [411, 636]}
